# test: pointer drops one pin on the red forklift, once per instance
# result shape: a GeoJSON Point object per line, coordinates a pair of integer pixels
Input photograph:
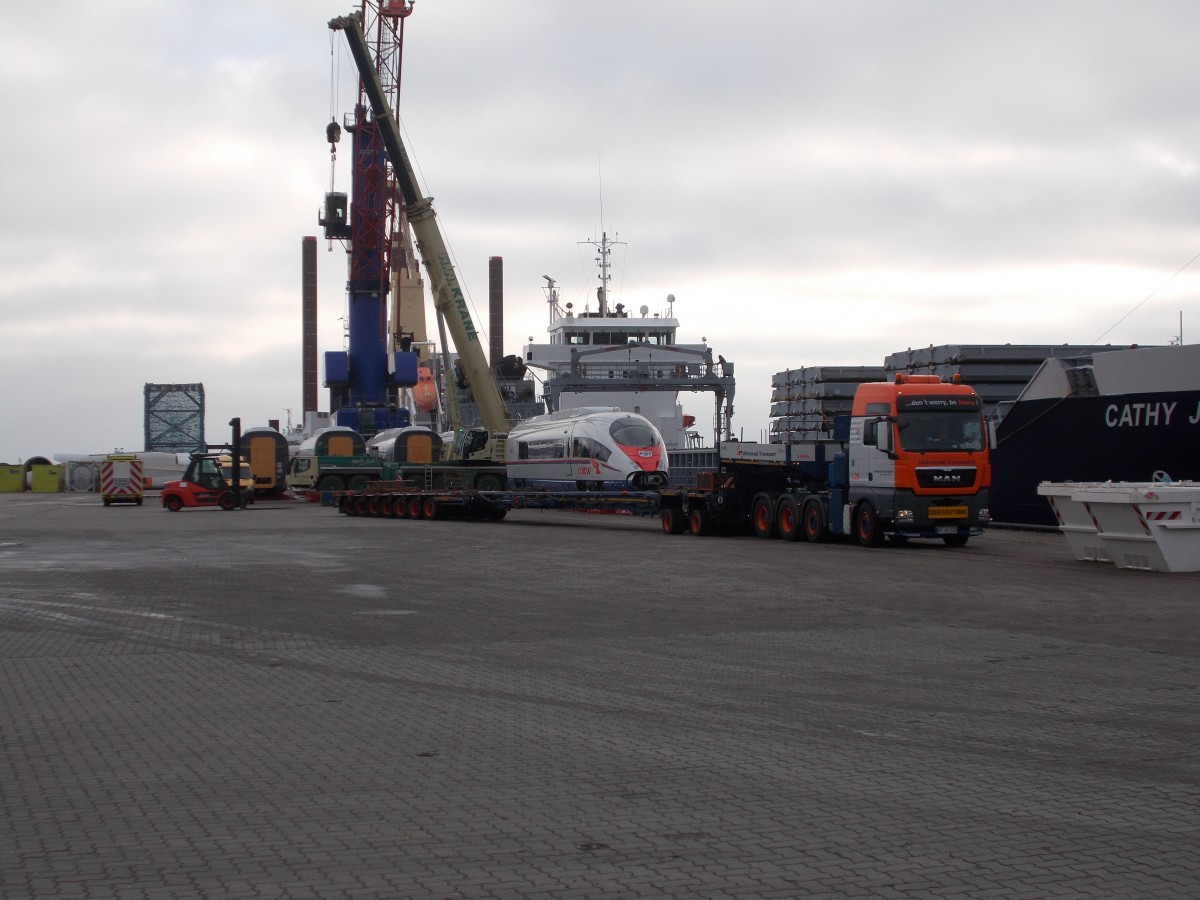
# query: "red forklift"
{"type": "Point", "coordinates": [203, 484]}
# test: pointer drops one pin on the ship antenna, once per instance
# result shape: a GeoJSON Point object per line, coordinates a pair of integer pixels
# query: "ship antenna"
{"type": "Point", "coordinates": [604, 247]}
{"type": "Point", "coordinates": [552, 299]}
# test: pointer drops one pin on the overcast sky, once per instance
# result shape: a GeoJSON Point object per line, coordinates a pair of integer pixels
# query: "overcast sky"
{"type": "Point", "coordinates": [817, 183]}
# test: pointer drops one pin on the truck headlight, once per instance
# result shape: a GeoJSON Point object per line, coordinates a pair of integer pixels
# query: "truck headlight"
{"type": "Point", "coordinates": [985, 516]}
{"type": "Point", "coordinates": [905, 517]}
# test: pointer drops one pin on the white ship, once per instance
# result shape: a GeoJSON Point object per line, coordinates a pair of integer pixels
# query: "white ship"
{"type": "Point", "coordinates": [611, 357]}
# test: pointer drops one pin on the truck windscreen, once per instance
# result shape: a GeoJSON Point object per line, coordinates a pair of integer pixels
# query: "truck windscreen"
{"type": "Point", "coordinates": [939, 431]}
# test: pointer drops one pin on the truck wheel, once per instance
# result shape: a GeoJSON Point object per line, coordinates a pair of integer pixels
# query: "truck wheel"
{"type": "Point", "coordinates": [866, 526]}
{"type": "Point", "coordinates": [414, 507]}
{"type": "Point", "coordinates": [375, 506]}
{"type": "Point", "coordinates": [429, 509]}
{"type": "Point", "coordinates": [330, 483]}
{"type": "Point", "coordinates": [358, 482]}
{"type": "Point", "coordinates": [787, 519]}
{"type": "Point", "coordinates": [698, 522]}
{"type": "Point", "coordinates": [489, 482]}
{"type": "Point", "coordinates": [762, 516]}
{"type": "Point", "coordinates": [816, 529]}
{"type": "Point", "coordinates": [956, 540]}
{"type": "Point", "coordinates": [226, 502]}
{"type": "Point", "coordinates": [172, 503]}
{"type": "Point", "coordinates": [673, 521]}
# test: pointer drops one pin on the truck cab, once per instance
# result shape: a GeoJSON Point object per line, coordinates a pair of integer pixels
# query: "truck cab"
{"type": "Point", "coordinates": [917, 461]}
{"type": "Point", "coordinates": [245, 476]}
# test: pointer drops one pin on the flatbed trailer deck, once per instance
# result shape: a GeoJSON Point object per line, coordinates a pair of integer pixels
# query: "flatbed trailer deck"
{"type": "Point", "coordinates": [416, 503]}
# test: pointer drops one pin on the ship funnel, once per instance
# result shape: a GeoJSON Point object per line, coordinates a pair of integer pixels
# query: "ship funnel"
{"type": "Point", "coordinates": [308, 323]}
{"type": "Point", "coordinates": [496, 311]}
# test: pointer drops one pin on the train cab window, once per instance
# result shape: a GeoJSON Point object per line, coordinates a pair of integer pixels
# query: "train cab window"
{"type": "Point", "coordinates": [631, 432]}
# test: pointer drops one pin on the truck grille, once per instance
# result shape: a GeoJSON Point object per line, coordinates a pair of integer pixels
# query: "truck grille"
{"type": "Point", "coordinates": [946, 477]}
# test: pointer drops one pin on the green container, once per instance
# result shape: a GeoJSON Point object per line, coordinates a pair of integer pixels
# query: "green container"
{"type": "Point", "coordinates": [46, 479]}
{"type": "Point", "coordinates": [12, 479]}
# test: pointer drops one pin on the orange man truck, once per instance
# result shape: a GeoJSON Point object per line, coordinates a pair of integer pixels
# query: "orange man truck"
{"type": "Point", "coordinates": [911, 461]}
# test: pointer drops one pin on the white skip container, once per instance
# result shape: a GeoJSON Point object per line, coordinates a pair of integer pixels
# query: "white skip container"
{"type": "Point", "coordinates": [1152, 526]}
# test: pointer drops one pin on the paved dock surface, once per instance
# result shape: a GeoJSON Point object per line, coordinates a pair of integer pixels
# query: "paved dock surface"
{"type": "Point", "coordinates": [288, 703]}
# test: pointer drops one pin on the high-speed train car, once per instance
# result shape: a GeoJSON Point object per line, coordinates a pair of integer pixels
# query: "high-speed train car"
{"type": "Point", "coordinates": [588, 448]}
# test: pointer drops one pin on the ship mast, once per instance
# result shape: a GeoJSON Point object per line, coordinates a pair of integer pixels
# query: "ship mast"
{"type": "Point", "coordinates": [604, 246]}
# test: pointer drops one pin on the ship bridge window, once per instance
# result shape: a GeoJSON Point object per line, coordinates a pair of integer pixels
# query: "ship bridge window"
{"type": "Point", "coordinates": [631, 432]}
{"type": "Point", "coordinates": [574, 338]}
{"type": "Point", "coordinates": [647, 337]}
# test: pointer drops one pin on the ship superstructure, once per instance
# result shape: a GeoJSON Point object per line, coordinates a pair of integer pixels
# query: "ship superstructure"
{"type": "Point", "coordinates": [612, 357]}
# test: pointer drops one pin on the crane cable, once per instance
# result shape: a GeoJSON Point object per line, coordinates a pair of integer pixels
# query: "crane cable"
{"type": "Point", "coordinates": [423, 188]}
{"type": "Point", "coordinates": [1097, 341]}
{"type": "Point", "coordinates": [333, 131]}
{"type": "Point", "coordinates": [1071, 392]}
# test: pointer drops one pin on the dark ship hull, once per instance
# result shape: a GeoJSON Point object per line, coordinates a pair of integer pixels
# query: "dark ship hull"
{"type": "Point", "coordinates": [1121, 415]}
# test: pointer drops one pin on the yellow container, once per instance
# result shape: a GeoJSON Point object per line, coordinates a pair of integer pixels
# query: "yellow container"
{"type": "Point", "coordinates": [12, 479]}
{"type": "Point", "coordinates": [46, 479]}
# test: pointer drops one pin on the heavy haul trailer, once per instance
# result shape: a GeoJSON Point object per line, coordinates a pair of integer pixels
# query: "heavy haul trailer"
{"type": "Point", "coordinates": [911, 461]}
{"type": "Point", "coordinates": [384, 501]}
{"type": "Point", "coordinates": [360, 473]}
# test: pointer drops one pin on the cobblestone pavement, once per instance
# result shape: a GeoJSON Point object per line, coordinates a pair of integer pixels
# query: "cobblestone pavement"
{"type": "Point", "coordinates": [284, 702]}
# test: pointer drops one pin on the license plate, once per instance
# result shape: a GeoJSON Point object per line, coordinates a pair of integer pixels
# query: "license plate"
{"type": "Point", "coordinates": [947, 512]}
{"type": "Point", "coordinates": [946, 529]}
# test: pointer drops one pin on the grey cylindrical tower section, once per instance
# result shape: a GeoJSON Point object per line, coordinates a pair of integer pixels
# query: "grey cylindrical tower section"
{"type": "Point", "coordinates": [308, 280]}
{"type": "Point", "coordinates": [496, 310]}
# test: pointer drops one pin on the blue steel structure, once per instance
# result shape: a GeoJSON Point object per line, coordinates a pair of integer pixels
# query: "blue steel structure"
{"type": "Point", "coordinates": [364, 380]}
{"type": "Point", "coordinates": [173, 416]}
